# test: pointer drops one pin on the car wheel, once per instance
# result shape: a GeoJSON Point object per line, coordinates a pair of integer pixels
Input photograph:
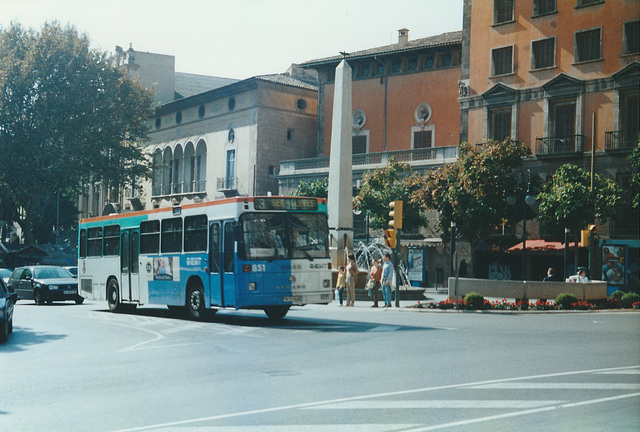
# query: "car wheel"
{"type": "Point", "coordinates": [4, 331]}
{"type": "Point", "coordinates": [195, 301]}
{"type": "Point", "coordinates": [276, 312]}
{"type": "Point", "coordinates": [79, 300]}
{"type": "Point", "coordinates": [113, 296]}
{"type": "Point", "coordinates": [37, 297]}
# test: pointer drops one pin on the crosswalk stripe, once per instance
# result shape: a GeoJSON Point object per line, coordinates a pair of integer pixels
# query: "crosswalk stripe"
{"type": "Point", "coordinates": [440, 404]}
{"type": "Point", "coordinates": [557, 386]}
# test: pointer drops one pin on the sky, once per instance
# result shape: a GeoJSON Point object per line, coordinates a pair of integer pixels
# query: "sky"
{"type": "Point", "coordinates": [240, 38]}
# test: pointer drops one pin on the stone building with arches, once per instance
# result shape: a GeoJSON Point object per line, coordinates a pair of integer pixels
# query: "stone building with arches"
{"type": "Point", "coordinates": [229, 141]}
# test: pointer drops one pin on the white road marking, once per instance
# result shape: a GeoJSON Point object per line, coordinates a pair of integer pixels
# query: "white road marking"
{"type": "Point", "coordinates": [440, 404]}
{"type": "Point", "coordinates": [621, 372]}
{"type": "Point", "coordinates": [520, 413]}
{"type": "Point", "coordinates": [406, 392]}
{"type": "Point", "coordinates": [558, 386]}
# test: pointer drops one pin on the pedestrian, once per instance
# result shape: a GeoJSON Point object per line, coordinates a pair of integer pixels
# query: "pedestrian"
{"type": "Point", "coordinates": [375, 277]}
{"type": "Point", "coordinates": [581, 277]}
{"type": "Point", "coordinates": [340, 284]}
{"type": "Point", "coordinates": [387, 276]}
{"type": "Point", "coordinates": [551, 276]}
{"type": "Point", "coordinates": [352, 274]}
{"type": "Point", "coordinates": [462, 272]}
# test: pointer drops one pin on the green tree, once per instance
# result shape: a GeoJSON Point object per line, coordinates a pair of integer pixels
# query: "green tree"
{"type": "Point", "coordinates": [472, 191]}
{"type": "Point", "coordinates": [567, 201]}
{"type": "Point", "coordinates": [395, 181]}
{"type": "Point", "coordinates": [312, 188]}
{"type": "Point", "coordinates": [68, 116]}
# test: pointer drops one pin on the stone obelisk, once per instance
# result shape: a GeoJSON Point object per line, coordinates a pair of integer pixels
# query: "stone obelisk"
{"type": "Point", "coordinates": [340, 193]}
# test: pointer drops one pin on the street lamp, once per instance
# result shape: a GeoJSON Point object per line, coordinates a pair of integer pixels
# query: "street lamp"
{"type": "Point", "coordinates": [528, 200]}
{"type": "Point", "coordinates": [453, 247]}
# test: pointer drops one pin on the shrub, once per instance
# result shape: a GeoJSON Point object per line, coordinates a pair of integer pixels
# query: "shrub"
{"type": "Point", "coordinates": [565, 300]}
{"type": "Point", "coordinates": [629, 299]}
{"type": "Point", "coordinates": [616, 295]}
{"type": "Point", "coordinates": [474, 300]}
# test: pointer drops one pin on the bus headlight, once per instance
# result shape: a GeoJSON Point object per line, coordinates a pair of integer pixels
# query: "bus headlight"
{"type": "Point", "coordinates": [326, 283]}
{"type": "Point", "coordinates": [253, 286]}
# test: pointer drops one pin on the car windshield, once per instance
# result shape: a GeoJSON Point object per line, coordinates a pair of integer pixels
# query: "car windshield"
{"type": "Point", "coordinates": [5, 273]}
{"type": "Point", "coordinates": [50, 273]}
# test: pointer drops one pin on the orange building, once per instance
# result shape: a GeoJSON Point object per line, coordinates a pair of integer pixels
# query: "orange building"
{"type": "Point", "coordinates": [538, 71]}
{"type": "Point", "coordinates": [561, 76]}
{"type": "Point", "coordinates": [405, 105]}
{"type": "Point", "coordinates": [404, 94]}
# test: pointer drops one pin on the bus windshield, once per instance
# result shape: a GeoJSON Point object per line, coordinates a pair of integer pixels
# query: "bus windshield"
{"type": "Point", "coordinates": [284, 236]}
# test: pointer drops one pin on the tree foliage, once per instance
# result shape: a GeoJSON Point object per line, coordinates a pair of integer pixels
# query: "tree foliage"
{"type": "Point", "coordinates": [472, 191]}
{"type": "Point", "coordinates": [395, 181]}
{"type": "Point", "coordinates": [68, 116]}
{"type": "Point", "coordinates": [313, 188]}
{"type": "Point", "coordinates": [568, 202]}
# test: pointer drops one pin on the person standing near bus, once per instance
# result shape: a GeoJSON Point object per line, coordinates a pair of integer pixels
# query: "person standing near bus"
{"type": "Point", "coordinates": [340, 284]}
{"type": "Point", "coordinates": [352, 274]}
{"type": "Point", "coordinates": [387, 276]}
{"type": "Point", "coordinates": [375, 275]}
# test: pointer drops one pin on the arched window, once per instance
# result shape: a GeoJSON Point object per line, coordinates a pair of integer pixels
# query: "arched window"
{"type": "Point", "coordinates": [167, 167]}
{"type": "Point", "coordinates": [178, 164]}
{"type": "Point", "coordinates": [200, 166]}
{"type": "Point", "coordinates": [156, 186]}
{"type": "Point", "coordinates": [189, 165]}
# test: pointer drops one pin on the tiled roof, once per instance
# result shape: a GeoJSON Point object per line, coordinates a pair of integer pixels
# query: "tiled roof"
{"type": "Point", "coordinates": [191, 84]}
{"type": "Point", "coordinates": [287, 79]}
{"type": "Point", "coordinates": [443, 39]}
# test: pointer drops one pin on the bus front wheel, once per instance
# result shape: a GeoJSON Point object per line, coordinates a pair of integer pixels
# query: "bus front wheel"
{"type": "Point", "coordinates": [113, 296]}
{"type": "Point", "coordinates": [195, 301]}
{"type": "Point", "coordinates": [276, 312]}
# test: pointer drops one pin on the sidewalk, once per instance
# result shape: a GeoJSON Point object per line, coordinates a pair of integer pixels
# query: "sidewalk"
{"type": "Point", "coordinates": [431, 295]}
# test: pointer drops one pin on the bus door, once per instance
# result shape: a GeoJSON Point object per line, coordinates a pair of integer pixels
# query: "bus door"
{"type": "Point", "coordinates": [129, 264]}
{"type": "Point", "coordinates": [229, 263]}
{"type": "Point", "coordinates": [215, 260]}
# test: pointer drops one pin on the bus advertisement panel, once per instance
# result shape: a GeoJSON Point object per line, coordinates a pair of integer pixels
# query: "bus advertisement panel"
{"type": "Point", "coordinates": [264, 253]}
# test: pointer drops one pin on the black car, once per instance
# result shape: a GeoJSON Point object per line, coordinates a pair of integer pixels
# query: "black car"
{"type": "Point", "coordinates": [44, 284]}
{"type": "Point", "coordinates": [7, 300]}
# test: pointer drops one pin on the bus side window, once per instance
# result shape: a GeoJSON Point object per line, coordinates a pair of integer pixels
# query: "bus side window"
{"type": "Point", "coordinates": [229, 252]}
{"type": "Point", "coordinates": [94, 242]}
{"type": "Point", "coordinates": [150, 237]}
{"type": "Point", "coordinates": [195, 233]}
{"type": "Point", "coordinates": [171, 240]}
{"type": "Point", "coordinates": [214, 248]}
{"type": "Point", "coordinates": [82, 248]}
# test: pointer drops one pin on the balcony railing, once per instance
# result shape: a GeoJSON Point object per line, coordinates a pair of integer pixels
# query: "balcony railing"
{"type": "Point", "coordinates": [195, 187]}
{"type": "Point", "coordinates": [624, 140]}
{"type": "Point", "coordinates": [552, 146]}
{"type": "Point", "coordinates": [433, 154]}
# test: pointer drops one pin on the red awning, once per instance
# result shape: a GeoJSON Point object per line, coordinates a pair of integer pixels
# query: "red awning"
{"type": "Point", "coordinates": [540, 245]}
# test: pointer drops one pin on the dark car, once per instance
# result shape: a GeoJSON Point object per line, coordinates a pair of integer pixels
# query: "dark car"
{"type": "Point", "coordinates": [7, 300]}
{"type": "Point", "coordinates": [44, 284]}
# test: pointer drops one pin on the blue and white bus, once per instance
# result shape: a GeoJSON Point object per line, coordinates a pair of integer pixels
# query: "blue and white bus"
{"type": "Point", "coordinates": [264, 253]}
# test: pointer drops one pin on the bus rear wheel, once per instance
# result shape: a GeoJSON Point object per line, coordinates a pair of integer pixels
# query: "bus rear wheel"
{"type": "Point", "coordinates": [276, 312]}
{"type": "Point", "coordinates": [195, 301]}
{"type": "Point", "coordinates": [113, 296]}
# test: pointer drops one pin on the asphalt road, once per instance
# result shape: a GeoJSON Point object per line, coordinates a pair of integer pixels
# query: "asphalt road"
{"type": "Point", "coordinates": [324, 368]}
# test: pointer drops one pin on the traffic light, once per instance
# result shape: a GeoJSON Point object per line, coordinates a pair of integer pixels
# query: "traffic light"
{"type": "Point", "coordinates": [396, 214]}
{"type": "Point", "coordinates": [584, 234]}
{"type": "Point", "coordinates": [390, 238]}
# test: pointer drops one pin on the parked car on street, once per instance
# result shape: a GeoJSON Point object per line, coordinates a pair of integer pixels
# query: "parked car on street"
{"type": "Point", "coordinates": [73, 270]}
{"type": "Point", "coordinates": [5, 274]}
{"type": "Point", "coordinates": [44, 284]}
{"type": "Point", "coordinates": [7, 300]}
